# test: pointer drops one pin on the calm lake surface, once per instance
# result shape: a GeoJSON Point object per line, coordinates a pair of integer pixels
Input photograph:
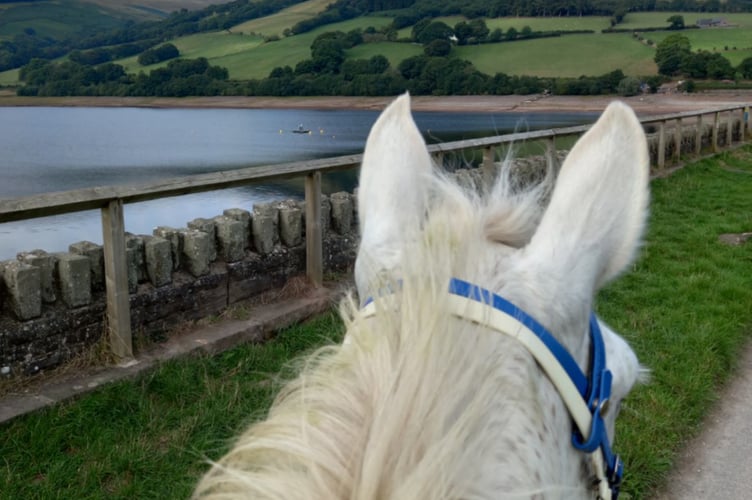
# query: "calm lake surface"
{"type": "Point", "coordinates": [57, 149]}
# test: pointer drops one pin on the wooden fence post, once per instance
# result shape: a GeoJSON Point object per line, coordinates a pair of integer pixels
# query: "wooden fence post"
{"type": "Point", "coordinates": [662, 144]}
{"type": "Point", "coordinates": [698, 135]}
{"type": "Point", "coordinates": [716, 124]}
{"type": "Point", "coordinates": [730, 130]}
{"type": "Point", "coordinates": [678, 136]}
{"type": "Point", "coordinates": [314, 250]}
{"type": "Point", "coordinates": [116, 281]}
{"type": "Point", "coordinates": [551, 152]}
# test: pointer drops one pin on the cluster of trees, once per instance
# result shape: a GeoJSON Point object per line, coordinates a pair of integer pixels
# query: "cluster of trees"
{"type": "Point", "coordinates": [102, 55]}
{"type": "Point", "coordinates": [184, 77]}
{"type": "Point", "coordinates": [156, 55]}
{"type": "Point", "coordinates": [426, 75]}
{"type": "Point", "coordinates": [674, 57]}
{"type": "Point", "coordinates": [25, 46]}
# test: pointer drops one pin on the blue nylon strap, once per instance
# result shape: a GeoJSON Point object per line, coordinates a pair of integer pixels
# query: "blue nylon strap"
{"type": "Point", "coordinates": [595, 389]}
{"type": "Point", "coordinates": [474, 292]}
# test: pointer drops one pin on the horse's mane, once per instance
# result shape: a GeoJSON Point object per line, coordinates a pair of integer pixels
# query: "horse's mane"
{"type": "Point", "coordinates": [409, 407]}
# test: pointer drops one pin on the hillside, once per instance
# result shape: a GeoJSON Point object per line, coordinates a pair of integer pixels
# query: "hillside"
{"type": "Point", "coordinates": [592, 54]}
{"type": "Point", "coordinates": [540, 47]}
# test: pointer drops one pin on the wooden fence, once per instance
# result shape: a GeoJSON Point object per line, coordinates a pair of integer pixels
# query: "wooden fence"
{"type": "Point", "coordinates": [110, 200]}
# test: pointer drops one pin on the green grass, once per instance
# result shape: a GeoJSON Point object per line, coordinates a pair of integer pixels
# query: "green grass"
{"type": "Point", "coordinates": [289, 51]}
{"type": "Point", "coordinates": [396, 52]}
{"type": "Point", "coordinates": [276, 24]}
{"type": "Point", "coordinates": [573, 23]}
{"type": "Point", "coordinates": [247, 56]}
{"type": "Point", "coordinates": [9, 77]}
{"type": "Point", "coordinates": [636, 20]}
{"type": "Point", "coordinates": [738, 40]}
{"type": "Point", "coordinates": [149, 438]}
{"type": "Point", "coordinates": [215, 46]}
{"type": "Point", "coordinates": [684, 306]}
{"type": "Point", "coordinates": [573, 56]}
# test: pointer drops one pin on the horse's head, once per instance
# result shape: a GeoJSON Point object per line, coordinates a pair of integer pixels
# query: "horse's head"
{"type": "Point", "coordinates": [549, 258]}
{"type": "Point", "coordinates": [434, 394]}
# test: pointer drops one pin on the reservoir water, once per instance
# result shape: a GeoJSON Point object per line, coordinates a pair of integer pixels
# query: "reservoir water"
{"type": "Point", "coordinates": [57, 149]}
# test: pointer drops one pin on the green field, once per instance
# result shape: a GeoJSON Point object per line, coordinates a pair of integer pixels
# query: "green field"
{"type": "Point", "coordinates": [247, 56]}
{"type": "Point", "coordinates": [214, 46]}
{"type": "Point", "coordinates": [258, 62]}
{"type": "Point", "coordinates": [286, 18]}
{"type": "Point", "coordinates": [574, 23]}
{"type": "Point", "coordinates": [636, 20]}
{"type": "Point", "coordinates": [738, 41]}
{"type": "Point", "coordinates": [566, 56]}
{"type": "Point", "coordinates": [9, 77]}
{"type": "Point", "coordinates": [394, 51]}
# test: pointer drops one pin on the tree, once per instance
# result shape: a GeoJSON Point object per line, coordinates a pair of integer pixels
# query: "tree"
{"type": "Point", "coordinates": [628, 86]}
{"type": "Point", "coordinates": [378, 64]}
{"type": "Point", "coordinates": [462, 31]}
{"type": "Point", "coordinates": [328, 54]}
{"type": "Point", "coordinates": [436, 30]}
{"type": "Point", "coordinates": [479, 29]}
{"type": "Point", "coordinates": [412, 67]}
{"type": "Point", "coordinates": [719, 68]}
{"type": "Point", "coordinates": [677, 22]}
{"type": "Point", "coordinates": [438, 48]}
{"type": "Point", "coordinates": [745, 68]}
{"type": "Point", "coordinates": [159, 54]}
{"type": "Point", "coordinates": [511, 34]}
{"type": "Point", "coordinates": [670, 53]}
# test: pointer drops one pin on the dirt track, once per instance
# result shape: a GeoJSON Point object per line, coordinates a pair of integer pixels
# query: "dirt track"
{"type": "Point", "coordinates": [644, 105]}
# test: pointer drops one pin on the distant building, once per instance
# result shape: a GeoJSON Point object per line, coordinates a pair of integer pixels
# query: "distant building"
{"type": "Point", "coordinates": [716, 22]}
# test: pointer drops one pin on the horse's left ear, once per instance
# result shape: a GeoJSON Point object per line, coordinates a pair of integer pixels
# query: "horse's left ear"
{"type": "Point", "coordinates": [595, 220]}
{"type": "Point", "coordinates": [392, 192]}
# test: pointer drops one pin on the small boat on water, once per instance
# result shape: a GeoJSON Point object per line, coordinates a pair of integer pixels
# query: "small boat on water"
{"type": "Point", "coordinates": [301, 130]}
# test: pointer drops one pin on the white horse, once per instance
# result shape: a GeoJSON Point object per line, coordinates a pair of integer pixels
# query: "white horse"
{"type": "Point", "coordinates": [435, 394]}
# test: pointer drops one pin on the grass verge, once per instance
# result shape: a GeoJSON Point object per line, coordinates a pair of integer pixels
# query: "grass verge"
{"type": "Point", "coordinates": [685, 307]}
{"type": "Point", "coordinates": [148, 438]}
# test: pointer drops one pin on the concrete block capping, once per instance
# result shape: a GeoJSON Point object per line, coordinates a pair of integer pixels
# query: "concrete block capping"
{"type": "Point", "coordinates": [52, 305]}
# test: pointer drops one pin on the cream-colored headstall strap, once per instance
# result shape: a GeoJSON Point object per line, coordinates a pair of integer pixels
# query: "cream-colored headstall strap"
{"type": "Point", "coordinates": [487, 316]}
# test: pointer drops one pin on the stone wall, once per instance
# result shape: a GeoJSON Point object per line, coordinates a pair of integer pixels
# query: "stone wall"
{"type": "Point", "coordinates": [52, 305]}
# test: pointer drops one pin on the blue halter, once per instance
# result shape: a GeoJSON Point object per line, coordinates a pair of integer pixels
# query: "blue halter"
{"type": "Point", "coordinates": [595, 389]}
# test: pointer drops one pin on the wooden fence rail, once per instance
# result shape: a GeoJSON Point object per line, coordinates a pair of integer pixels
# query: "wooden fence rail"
{"type": "Point", "coordinates": [111, 199]}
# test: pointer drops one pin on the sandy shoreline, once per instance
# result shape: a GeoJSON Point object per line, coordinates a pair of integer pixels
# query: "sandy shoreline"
{"type": "Point", "coordinates": [645, 105]}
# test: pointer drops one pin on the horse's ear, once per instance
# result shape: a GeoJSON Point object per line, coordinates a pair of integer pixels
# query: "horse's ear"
{"type": "Point", "coordinates": [595, 220]}
{"type": "Point", "coordinates": [392, 192]}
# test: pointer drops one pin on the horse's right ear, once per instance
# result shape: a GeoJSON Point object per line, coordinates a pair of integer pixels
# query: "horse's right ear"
{"type": "Point", "coordinates": [392, 192]}
{"type": "Point", "coordinates": [593, 224]}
